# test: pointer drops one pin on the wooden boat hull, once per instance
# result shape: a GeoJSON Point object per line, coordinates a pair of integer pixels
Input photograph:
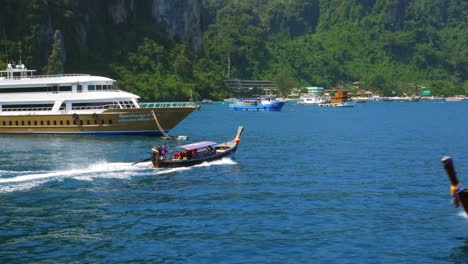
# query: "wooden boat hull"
{"type": "Point", "coordinates": [459, 194]}
{"type": "Point", "coordinates": [222, 150]}
{"type": "Point", "coordinates": [192, 162]}
{"type": "Point", "coordinates": [111, 121]}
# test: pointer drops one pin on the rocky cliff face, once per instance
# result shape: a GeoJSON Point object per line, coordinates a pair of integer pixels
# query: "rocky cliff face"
{"type": "Point", "coordinates": [87, 22]}
{"type": "Point", "coordinates": [182, 19]}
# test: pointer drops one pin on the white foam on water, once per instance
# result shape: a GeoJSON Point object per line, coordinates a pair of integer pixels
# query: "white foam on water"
{"type": "Point", "coordinates": [21, 186]}
{"type": "Point", "coordinates": [462, 214]}
{"type": "Point", "coordinates": [24, 180]}
{"type": "Point", "coordinates": [223, 161]}
{"type": "Point", "coordinates": [94, 168]}
{"type": "Point", "coordinates": [27, 179]}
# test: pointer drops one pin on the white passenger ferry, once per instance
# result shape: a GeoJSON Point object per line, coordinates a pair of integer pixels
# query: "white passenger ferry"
{"type": "Point", "coordinates": [78, 103]}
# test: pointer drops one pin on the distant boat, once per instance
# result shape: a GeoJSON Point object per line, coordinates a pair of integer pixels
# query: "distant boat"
{"type": "Point", "coordinates": [196, 153]}
{"type": "Point", "coordinates": [361, 99]}
{"type": "Point", "coordinates": [257, 104]}
{"type": "Point", "coordinates": [455, 98]}
{"type": "Point", "coordinates": [230, 100]}
{"type": "Point", "coordinates": [341, 99]}
{"type": "Point", "coordinates": [207, 101]}
{"type": "Point", "coordinates": [312, 99]}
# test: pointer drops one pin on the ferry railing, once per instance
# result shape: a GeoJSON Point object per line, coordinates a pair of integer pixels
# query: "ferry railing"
{"type": "Point", "coordinates": [92, 107]}
{"type": "Point", "coordinates": [26, 109]}
{"type": "Point", "coordinates": [44, 76]}
{"type": "Point", "coordinates": [167, 105]}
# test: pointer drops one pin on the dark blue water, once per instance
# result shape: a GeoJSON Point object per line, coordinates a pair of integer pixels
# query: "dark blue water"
{"type": "Point", "coordinates": [308, 184]}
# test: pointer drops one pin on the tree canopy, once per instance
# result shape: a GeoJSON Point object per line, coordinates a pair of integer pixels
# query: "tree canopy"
{"type": "Point", "coordinates": [385, 45]}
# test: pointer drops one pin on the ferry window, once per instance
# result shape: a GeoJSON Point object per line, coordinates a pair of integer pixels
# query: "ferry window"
{"type": "Point", "coordinates": [42, 123]}
{"type": "Point", "coordinates": [87, 122]}
{"type": "Point", "coordinates": [61, 122]}
{"type": "Point", "coordinates": [65, 89]}
{"type": "Point", "coordinates": [48, 122]}
{"type": "Point", "coordinates": [91, 88]}
{"type": "Point", "coordinates": [55, 123]}
{"type": "Point", "coordinates": [111, 87]}
{"type": "Point", "coordinates": [79, 88]}
{"type": "Point", "coordinates": [98, 87]}
{"type": "Point", "coordinates": [110, 121]}
{"type": "Point", "coordinates": [25, 90]}
{"type": "Point", "coordinates": [62, 106]}
{"type": "Point", "coordinates": [29, 123]}
{"type": "Point", "coordinates": [68, 122]}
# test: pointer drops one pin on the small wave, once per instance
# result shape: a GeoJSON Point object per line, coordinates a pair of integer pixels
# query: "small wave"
{"type": "Point", "coordinates": [462, 214]}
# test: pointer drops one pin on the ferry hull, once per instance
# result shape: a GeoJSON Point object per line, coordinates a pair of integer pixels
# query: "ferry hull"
{"type": "Point", "coordinates": [135, 121]}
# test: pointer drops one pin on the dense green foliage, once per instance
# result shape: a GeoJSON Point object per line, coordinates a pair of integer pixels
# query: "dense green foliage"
{"type": "Point", "coordinates": [380, 45]}
{"type": "Point", "coordinates": [54, 65]}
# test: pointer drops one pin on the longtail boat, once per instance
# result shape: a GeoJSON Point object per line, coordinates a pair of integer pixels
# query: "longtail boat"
{"type": "Point", "coordinates": [459, 194]}
{"type": "Point", "coordinates": [195, 153]}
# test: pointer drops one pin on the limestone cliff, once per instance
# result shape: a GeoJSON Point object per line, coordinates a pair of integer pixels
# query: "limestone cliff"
{"type": "Point", "coordinates": [182, 18]}
{"type": "Point", "coordinates": [93, 23]}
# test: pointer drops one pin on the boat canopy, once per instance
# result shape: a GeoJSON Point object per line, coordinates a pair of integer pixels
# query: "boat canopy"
{"type": "Point", "coordinates": [197, 145]}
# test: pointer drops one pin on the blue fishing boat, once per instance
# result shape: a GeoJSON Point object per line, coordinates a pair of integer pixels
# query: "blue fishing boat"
{"type": "Point", "coordinates": [257, 104]}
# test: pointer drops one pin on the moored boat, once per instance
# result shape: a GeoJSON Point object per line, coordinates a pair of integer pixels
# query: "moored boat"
{"type": "Point", "coordinates": [195, 153]}
{"type": "Point", "coordinates": [207, 101]}
{"type": "Point", "coordinates": [455, 98]}
{"type": "Point", "coordinates": [341, 99]}
{"type": "Point", "coordinates": [459, 194]}
{"type": "Point", "coordinates": [312, 99]}
{"type": "Point", "coordinates": [78, 104]}
{"type": "Point", "coordinates": [257, 104]}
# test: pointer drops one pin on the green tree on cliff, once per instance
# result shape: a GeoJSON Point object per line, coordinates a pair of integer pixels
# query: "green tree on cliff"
{"type": "Point", "coordinates": [55, 65]}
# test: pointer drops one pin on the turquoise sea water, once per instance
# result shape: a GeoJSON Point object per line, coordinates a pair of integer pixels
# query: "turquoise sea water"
{"type": "Point", "coordinates": [307, 184]}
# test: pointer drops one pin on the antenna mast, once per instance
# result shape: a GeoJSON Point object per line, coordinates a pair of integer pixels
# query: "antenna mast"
{"type": "Point", "coordinates": [6, 48]}
{"type": "Point", "coordinates": [20, 62]}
